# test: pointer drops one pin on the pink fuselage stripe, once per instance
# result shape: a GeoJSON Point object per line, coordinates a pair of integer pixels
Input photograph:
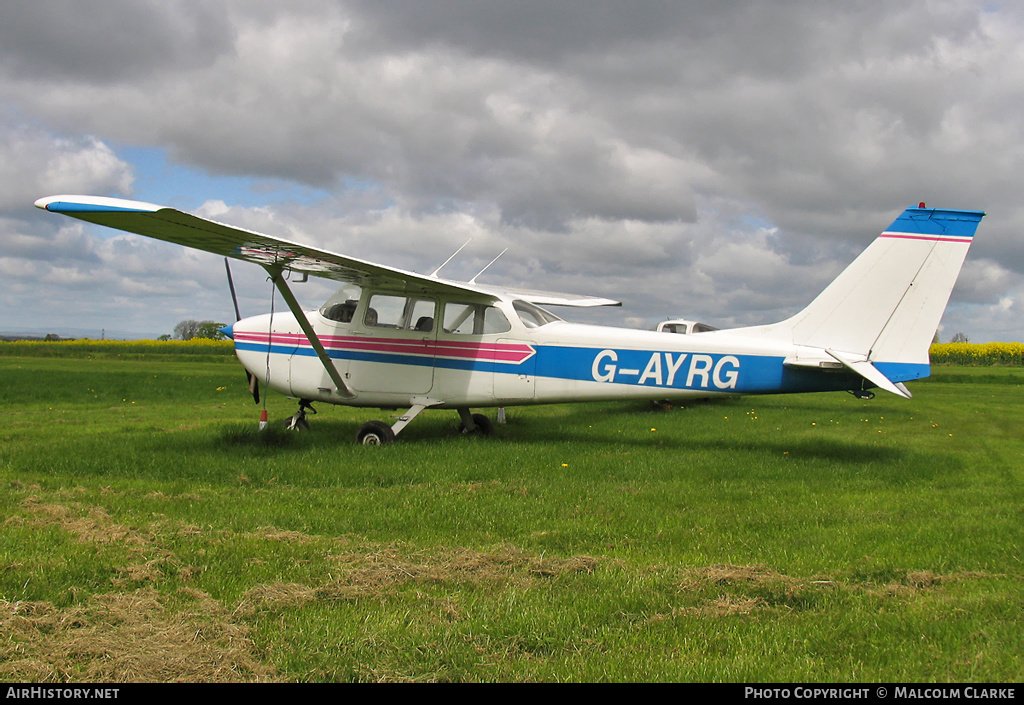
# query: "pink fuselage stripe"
{"type": "Point", "coordinates": [446, 349]}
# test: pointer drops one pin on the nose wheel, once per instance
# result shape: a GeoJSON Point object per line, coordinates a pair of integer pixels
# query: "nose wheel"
{"type": "Point", "coordinates": [297, 421]}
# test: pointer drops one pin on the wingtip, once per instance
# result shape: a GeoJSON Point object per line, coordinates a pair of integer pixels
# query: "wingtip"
{"type": "Point", "coordinates": [93, 204]}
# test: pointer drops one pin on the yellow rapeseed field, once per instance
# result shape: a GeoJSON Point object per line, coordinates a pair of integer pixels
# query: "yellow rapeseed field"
{"type": "Point", "coordinates": [84, 346]}
{"type": "Point", "coordinates": [978, 354]}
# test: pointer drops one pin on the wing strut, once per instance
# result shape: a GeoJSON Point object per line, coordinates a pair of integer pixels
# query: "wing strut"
{"type": "Point", "coordinates": [276, 275]}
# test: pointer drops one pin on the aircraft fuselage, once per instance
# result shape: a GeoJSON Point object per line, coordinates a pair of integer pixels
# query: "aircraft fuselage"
{"type": "Point", "coordinates": [518, 362]}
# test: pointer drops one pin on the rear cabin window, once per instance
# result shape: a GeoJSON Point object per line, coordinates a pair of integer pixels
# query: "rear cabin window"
{"type": "Point", "coordinates": [474, 319]}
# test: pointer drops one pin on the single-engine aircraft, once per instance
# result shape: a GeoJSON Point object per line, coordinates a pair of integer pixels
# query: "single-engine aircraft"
{"type": "Point", "coordinates": [394, 339]}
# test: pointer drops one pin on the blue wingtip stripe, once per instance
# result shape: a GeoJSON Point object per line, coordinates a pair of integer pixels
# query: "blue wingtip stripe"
{"type": "Point", "coordinates": [72, 207]}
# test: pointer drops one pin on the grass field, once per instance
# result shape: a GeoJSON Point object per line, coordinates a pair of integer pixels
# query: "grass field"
{"type": "Point", "coordinates": [150, 535]}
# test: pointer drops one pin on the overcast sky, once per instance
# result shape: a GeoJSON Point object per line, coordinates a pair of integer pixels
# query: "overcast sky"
{"type": "Point", "coordinates": [716, 160]}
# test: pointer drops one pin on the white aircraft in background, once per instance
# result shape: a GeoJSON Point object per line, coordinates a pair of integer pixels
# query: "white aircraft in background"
{"type": "Point", "coordinates": [683, 326]}
{"type": "Point", "coordinates": [398, 340]}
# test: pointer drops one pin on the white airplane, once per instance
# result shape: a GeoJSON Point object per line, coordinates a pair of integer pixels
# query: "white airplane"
{"type": "Point", "coordinates": [398, 340]}
{"type": "Point", "coordinates": [683, 326]}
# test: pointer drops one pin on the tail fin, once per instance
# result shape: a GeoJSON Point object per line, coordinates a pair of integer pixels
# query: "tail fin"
{"type": "Point", "coordinates": [885, 307]}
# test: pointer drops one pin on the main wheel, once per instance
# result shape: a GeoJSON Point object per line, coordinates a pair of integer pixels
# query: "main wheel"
{"type": "Point", "coordinates": [375, 433]}
{"type": "Point", "coordinates": [484, 427]}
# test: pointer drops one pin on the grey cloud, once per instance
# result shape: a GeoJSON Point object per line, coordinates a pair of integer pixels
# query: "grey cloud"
{"type": "Point", "coordinates": [99, 42]}
{"type": "Point", "coordinates": [34, 163]}
{"type": "Point", "coordinates": [615, 144]}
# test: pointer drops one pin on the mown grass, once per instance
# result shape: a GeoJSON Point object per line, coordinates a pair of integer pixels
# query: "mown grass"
{"type": "Point", "coordinates": [149, 534]}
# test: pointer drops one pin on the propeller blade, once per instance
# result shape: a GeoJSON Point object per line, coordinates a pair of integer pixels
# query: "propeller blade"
{"type": "Point", "coordinates": [254, 387]}
{"type": "Point", "coordinates": [254, 383]}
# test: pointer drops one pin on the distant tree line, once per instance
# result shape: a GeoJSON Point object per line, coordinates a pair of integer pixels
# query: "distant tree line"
{"type": "Point", "coordinates": [49, 337]}
{"type": "Point", "coordinates": [957, 338]}
{"type": "Point", "coordinates": [189, 329]}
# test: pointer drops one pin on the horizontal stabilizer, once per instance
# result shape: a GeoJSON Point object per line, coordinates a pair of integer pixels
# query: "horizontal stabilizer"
{"type": "Point", "coordinates": [871, 373]}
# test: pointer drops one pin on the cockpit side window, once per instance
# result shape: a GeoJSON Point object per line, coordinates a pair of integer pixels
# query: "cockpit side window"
{"type": "Point", "coordinates": [533, 316]}
{"type": "Point", "coordinates": [400, 313]}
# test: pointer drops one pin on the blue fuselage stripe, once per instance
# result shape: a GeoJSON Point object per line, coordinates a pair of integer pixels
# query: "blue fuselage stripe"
{"type": "Point", "coordinates": [715, 372]}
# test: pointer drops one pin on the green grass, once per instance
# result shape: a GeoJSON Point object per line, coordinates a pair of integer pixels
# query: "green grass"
{"type": "Point", "coordinates": [800, 538]}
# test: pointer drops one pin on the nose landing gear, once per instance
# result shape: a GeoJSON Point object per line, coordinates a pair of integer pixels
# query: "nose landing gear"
{"type": "Point", "coordinates": [297, 422]}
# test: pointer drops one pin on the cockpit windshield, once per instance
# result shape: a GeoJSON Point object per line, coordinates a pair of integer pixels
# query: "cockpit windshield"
{"type": "Point", "coordinates": [533, 316]}
{"type": "Point", "coordinates": [342, 306]}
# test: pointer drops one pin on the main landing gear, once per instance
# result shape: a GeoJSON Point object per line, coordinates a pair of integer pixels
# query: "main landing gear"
{"type": "Point", "coordinates": [375, 433]}
{"type": "Point", "coordinates": [378, 433]}
{"type": "Point", "coordinates": [475, 424]}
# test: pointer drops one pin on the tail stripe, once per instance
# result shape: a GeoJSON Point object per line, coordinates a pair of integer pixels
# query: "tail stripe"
{"type": "Point", "coordinates": [931, 238]}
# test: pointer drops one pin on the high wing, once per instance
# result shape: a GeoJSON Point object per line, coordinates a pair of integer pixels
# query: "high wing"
{"type": "Point", "coordinates": [274, 253]}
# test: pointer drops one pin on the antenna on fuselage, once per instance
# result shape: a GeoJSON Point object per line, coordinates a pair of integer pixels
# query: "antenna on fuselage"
{"type": "Point", "coordinates": [434, 273]}
{"type": "Point", "coordinates": [473, 280]}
